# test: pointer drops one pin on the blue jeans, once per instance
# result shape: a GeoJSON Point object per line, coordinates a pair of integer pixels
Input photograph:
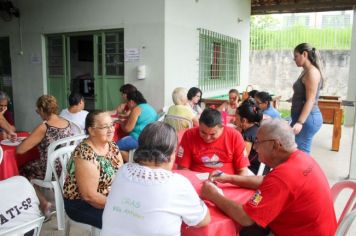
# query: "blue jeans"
{"type": "Point", "coordinates": [310, 127]}
{"type": "Point", "coordinates": [127, 143]}
{"type": "Point", "coordinates": [83, 212]}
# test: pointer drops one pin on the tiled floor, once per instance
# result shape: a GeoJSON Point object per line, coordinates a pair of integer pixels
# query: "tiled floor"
{"type": "Point", "coordinates": [335, 165]}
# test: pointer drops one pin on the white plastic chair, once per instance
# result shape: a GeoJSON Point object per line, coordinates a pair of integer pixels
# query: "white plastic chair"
{"type": "Point", "coordinates": [261, 169]}
{"type": "Point", "coordinates": [345, 224]}
{"type": "Point", "coordinates": [131, 155]}
{"type": "Point", "coordinates": [63, 154]}
{"type": "Point", "coordinates": [49, 183]}
{"type": "Point", "coordinates": [162, 113]}
{"type": "Point", "coordinates": [20, 230]}
{"type": "Point", "coordinates": [76, 128]}
{"type": "Point", "coordinates": [178, 122]}
{"type": "Point", "coordinates": [350, 205]}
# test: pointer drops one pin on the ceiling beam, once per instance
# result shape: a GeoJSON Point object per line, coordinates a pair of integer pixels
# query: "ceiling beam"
{"type": "Point", "coordinates": [305, 6]}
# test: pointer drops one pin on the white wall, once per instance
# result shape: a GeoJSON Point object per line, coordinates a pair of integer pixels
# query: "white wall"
{"type": "Point", "coordinates": [143, 24]}
{"type": "Point", "coordinates": [182, 19]}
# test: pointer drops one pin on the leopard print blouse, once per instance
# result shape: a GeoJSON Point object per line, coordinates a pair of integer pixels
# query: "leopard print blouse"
{"type": "Point", "coordinates": [107, 165]}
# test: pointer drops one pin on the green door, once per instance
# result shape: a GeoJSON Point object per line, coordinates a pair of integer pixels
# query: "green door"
{"type": "Point", "coordinates": [57, 73]}
{"type": "Point", "coordinates": [108, 68]}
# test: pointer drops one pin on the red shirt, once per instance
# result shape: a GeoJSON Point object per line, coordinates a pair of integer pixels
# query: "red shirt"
{"type": "Point", "coordinates": [294, 199]}
{"type": "Point", "coordinates": [226, 153]}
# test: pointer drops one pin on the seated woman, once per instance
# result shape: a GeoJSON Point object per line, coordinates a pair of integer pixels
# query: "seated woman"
{"type": "Point", "coordinates": [7, 128]}
{"type": "Point", "coordinates": [51, 129]}
{"type": "Point", "coordinates": [248, 118]}
{"type": "Point", "coordinates": [157, 200]}
{"type": "Point", "coordinates": [181, 107]}
{"type": "Point", "coordinates": [123, 110]}
{"type": "Point", "coordinates": [263, 100]}
{"type": "Point", "coordinates": [91, 170]}
{"type": "Point", "coordinates": [194, 99]}
{"type": "Point", "coordinates": [141, 115]}
{"type": "Point", "coordinates": [231, 105]}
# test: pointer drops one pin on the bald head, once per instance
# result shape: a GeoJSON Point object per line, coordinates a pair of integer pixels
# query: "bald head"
{"type": "Point", "coordinates": [279, 129]}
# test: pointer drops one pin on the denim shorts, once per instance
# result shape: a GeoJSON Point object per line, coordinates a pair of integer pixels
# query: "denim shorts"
{"type": "Point", "coordinates": [310, 127]}
{"type": "Point", "coordinates": [127, 143]}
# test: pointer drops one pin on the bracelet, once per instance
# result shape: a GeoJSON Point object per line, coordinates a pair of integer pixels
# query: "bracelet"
{"type": "Point", "coordinates": [302, 123]}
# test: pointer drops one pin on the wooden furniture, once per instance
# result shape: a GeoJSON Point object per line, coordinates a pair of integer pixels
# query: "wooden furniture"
{"type": "Point", "coordinates": [331, 110]}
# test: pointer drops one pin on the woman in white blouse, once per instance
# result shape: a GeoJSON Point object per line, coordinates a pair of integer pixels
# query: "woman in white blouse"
{"type": "Point", "coordinates": [146, 198]}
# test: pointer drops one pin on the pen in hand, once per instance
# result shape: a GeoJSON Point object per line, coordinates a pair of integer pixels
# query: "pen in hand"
{"type": "Point", "coordinates": [219, 173]}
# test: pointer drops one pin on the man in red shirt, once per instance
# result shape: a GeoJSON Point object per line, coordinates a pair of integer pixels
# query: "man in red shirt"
{"type": "Point", "coordinates": [211, 146]}
{"type": "Point", "coordinates": [293, 199]}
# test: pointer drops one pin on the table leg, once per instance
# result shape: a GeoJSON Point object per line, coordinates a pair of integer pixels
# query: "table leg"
{"type": "Point", "coordinates": [336, 130]}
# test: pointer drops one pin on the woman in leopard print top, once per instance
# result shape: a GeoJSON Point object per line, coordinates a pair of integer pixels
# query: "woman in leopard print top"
{"type": "Point", "coordinates": [91, 170]}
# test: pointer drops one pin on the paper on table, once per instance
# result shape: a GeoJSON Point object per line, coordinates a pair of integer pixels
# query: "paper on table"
{"type": "Point", "coordinates": [10, 143]}
{"type": "Point", "coordinates": [203, 176]}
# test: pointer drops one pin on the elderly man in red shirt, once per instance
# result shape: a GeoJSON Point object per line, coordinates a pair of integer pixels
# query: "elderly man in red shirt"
{"type": "Point", "coordinates": [293, 199]}
{"type": "Point", "coordinates": [212, 146]}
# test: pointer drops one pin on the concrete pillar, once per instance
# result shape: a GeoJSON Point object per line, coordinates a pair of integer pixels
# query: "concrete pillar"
{"type": "Point", "coordinates": [350, 112]}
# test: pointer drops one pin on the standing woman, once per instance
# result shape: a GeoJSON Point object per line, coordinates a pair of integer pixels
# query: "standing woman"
{"type": "Point", "coordinates": [194, 99]}
{"type": "Point", "coordinates": [306, 116]}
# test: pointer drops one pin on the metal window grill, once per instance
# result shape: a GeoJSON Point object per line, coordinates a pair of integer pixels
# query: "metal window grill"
{"type": "Point", "coordinates": [219, 60]}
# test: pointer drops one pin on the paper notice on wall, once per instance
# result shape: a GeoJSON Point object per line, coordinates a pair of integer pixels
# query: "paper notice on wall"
{"type": "Point", "coordinates": [132, 55]}
{"type": "Point", "coordinates": [35, 59]}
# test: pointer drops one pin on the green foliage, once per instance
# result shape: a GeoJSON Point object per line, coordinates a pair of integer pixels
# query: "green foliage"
{"type": "Point", "coordinates": [264, 35]}
{"type": "Point", "coordinates": [285, 113]}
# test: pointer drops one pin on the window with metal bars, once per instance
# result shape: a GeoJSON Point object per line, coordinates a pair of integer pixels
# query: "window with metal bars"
{"type": "Point", "coordinates": [219, 60]}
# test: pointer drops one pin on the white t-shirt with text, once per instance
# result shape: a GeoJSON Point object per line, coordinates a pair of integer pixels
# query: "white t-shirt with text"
{"type": "Point", "coordinates": [18, 202]}
{"type": "Point", "coordinates": [145, 201]}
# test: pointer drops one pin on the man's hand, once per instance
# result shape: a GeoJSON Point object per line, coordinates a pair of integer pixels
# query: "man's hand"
{"type": "Point", "coordinates": [208, 191]}
{"type": "Point", "coordinates": [219, 176]}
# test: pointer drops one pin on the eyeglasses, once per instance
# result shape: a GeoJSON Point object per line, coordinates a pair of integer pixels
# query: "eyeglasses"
{"type": "Point", "coordinates": [258, 142]}
{"type": "Point", "coordinates": [259, 103]}
{"type": "Point", "coordinates": [106, 127]}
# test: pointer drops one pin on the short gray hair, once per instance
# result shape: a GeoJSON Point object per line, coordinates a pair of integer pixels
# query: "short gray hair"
{"type": "Point", "coordinates": [156, 143]}
{"type": "Point", "coordinates": [4, 96]}
{"type": "Point", "coordinates": [281, 130]}
{"type": "Point", "coordinates": [179, 96]}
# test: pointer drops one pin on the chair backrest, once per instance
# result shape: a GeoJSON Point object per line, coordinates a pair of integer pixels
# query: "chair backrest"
{"type": "Point", "coordinates": [64, 142]}
{"type": "Point", "coordinates": [63, 154]}
{"type": "Point", "coordinates": [178, 122]}
{"type": "Point", "coordinates": [1, 154]}
{"type": "Point", "coordinates": [21, 230]}
{"type": "Point", "coordinates": [76, 130]}
{"type": "Point", "coordinates": [162, 113]}
{"type": "Point", "coordinates": [345, 224]}
{"type": "Point", "coordinates": [337, 188]}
